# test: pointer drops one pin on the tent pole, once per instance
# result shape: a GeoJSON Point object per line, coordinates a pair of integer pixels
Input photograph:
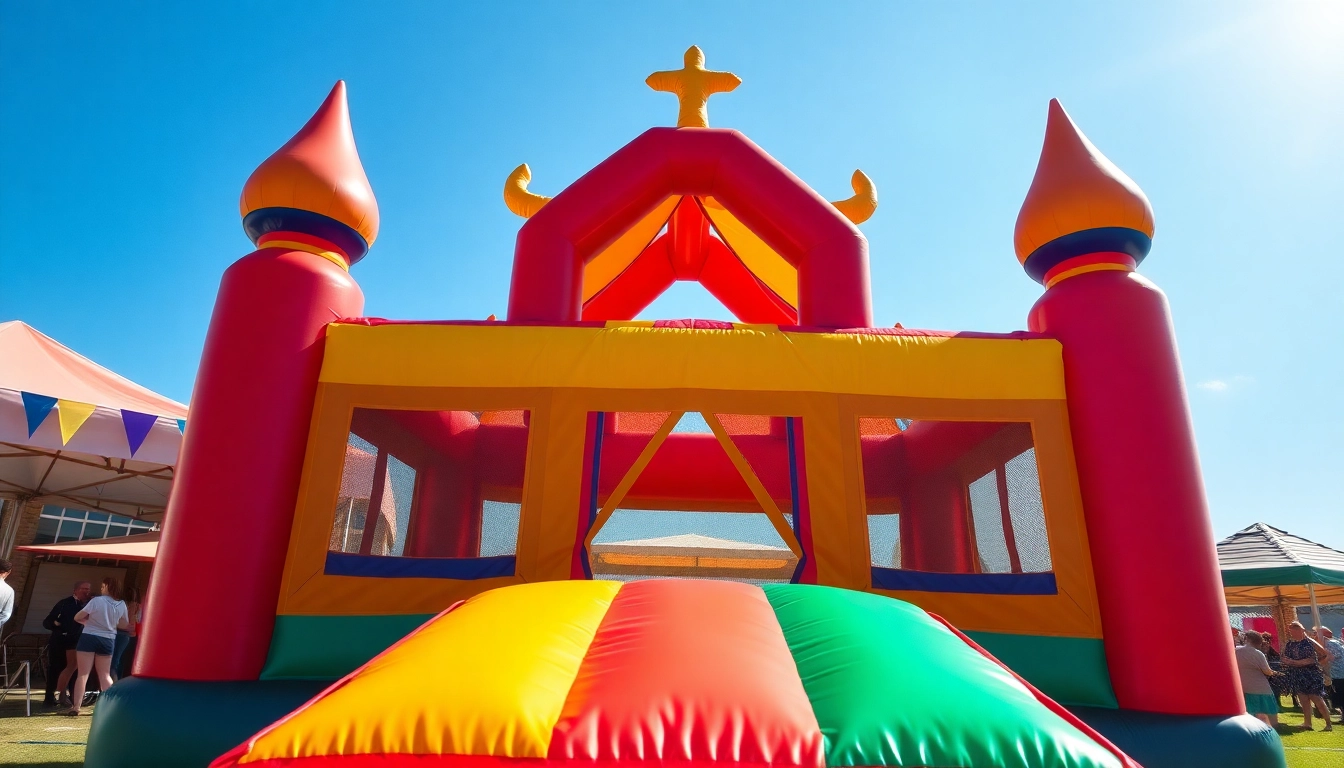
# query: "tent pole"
{"type": "Point", "coordinates": [1315, 612]}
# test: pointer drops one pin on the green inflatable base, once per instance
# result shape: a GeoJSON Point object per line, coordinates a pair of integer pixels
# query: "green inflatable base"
{"type": "Point", "coordinates": [1180, 741]}
{"type": "Point", "coordinates": [1070, 670]}
{"type": "Point", "coordinates": [147, 723]}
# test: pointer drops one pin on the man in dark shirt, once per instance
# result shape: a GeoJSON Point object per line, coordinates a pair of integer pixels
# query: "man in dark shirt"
{"type": "Point", "coordinates": [64, 636]}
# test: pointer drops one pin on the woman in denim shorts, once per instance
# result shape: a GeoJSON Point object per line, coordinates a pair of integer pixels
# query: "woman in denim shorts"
{"type": "Point", "coordinates": [102, 617]}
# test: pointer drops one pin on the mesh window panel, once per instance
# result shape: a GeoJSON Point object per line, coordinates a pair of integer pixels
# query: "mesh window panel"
{"type": "Point", "coordinates": [741, 546]}
{"type": "Point", "coordinates": [987, 515]}
{"type": "Point", "coordinates": [1027, 512]}
{"type": "Point", "coordinates": [638, 422]}
{"type": "Point", "coordinates": [394, 517]}
{"type": "Point", "coordinates": [431, 484]}
{"type": "Point", "coordinates": [499, 528]}
{"type": "Point", "coordinates": [884, 540]}
{"type": "Point", "coordinates": [725, 534]}
{"type": "Point", "coordinates": [352, 504]}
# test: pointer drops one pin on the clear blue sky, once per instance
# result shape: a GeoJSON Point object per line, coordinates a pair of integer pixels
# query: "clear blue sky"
{"type": "Point", "coordinates": [127, 130]}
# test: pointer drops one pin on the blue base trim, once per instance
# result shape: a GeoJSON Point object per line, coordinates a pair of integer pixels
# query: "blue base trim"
{"type": "Point", "coordinates": [466, 568]}
{"type": "Point", "coordinates": [263, 220]}
{"type": "Point", "coordinates": [793, 499]}
{"type": "Point", "coordinates": [1101, 240]}
{"type": "Point", "coordinates": [1185, 741]}
{"type": "Point", "coordinates": [971, 583]}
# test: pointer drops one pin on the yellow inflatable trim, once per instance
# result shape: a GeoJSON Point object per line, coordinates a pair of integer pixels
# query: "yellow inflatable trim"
{"type": "Point", "coordinates": [500, 674]}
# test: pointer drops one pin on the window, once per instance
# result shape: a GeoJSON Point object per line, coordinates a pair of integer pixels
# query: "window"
{"type": "Point", "coordinates": [693, 495]}
{"type": "Point", "coordinates": [429, 494]}
{"type": "Point", "coordinates": [60, 524]}
{"type": "Point", "coordinates": [954, 506]}
{"type": "Point", "coordinates": [1011, 540]}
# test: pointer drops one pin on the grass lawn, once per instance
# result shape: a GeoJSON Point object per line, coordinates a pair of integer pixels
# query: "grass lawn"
{"type": "Point", "coordinates": [1314, 749]}
{"type": "Point", "coordinates": [47, 740]}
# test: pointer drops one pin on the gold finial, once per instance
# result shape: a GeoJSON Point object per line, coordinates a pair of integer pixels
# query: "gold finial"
{"type": "Point", "coordinates": [693, 85]}
{"type": "Point", "coordinates": [516, 196]}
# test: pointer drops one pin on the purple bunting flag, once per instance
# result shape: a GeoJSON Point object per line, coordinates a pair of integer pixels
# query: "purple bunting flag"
{"type": "Point", "coordinates": [137, 427]}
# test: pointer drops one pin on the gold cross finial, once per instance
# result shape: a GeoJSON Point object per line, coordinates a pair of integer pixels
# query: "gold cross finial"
{"type": "Point", "coordinates": [693, 85]}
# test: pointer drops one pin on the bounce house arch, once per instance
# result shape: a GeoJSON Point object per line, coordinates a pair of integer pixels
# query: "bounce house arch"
{"type": "Point", "coordinates": [829, 252]}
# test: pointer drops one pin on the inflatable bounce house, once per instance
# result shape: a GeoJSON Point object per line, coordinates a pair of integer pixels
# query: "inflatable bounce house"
{"type": "Point", "coordinates": [574, 538]}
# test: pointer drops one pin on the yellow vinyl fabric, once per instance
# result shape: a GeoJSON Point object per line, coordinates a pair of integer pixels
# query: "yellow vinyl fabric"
{"type": "Point", "coordinates": [827, 381]}
{"type": "Point", "coordinates": [611, 261]}
{"type": "Point", "coordinates": [743, 359]}
{"type": "Point", "coordinates": [768, 266]}
{"type": "Point", "coordinates": [503, 665]}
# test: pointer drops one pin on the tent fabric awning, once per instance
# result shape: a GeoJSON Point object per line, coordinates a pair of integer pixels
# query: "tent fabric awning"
{"type": "Point", "coordinates": [76, 434]}
{"type": "Point", "coordinates": [1262, 565]}
{"type": "Point", "coordinates": [142, 547]}
{"type": "Point", "coordinates": [1291, 594]}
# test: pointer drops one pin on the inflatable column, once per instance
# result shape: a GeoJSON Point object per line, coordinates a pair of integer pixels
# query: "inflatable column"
{"type": "Point", "coordinates": [311, 213]}
{"type": "Point", "coordinates": [1082, 231]}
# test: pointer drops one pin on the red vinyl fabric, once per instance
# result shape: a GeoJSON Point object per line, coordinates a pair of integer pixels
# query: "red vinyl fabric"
{"type": "Point", "coordinates": [258, 376]}
{"type": "Point", "coordinates": [729, 691]}
{"type": "Point", "coordinates": [1143, 497]}
{"type": "Point", "coordinates": [830, 253]}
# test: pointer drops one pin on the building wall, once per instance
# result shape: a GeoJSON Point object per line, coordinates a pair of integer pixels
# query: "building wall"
{"type": "Point", "coordinates": [23, 561]}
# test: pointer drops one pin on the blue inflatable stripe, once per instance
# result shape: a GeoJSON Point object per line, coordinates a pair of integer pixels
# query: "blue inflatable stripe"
{"type": "Point", "coordinates": [971, 583]}
{"type": "Point", "coordinates": [1130, 242]}
{"type": "Point", "coordinates": [465, 568]}
{"type": "Point", "coordinates": [263, 220]}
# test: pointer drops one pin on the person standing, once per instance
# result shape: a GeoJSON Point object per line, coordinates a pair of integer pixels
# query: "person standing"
{"type": "Point", "coordinates": [1302, 657]}
{"type": "Point", "coordinates": [1336, 669]}
{"type": "Point", "coordinates": [6, 593]}
{"type": "Point", "coordinates": [1253, 668]}
{"type": "Point", "coordinates": [65, 631]}
{"type": "Point", "coordinates": [126, 637]}
{"type": "Point", "coordinates": [101, 617]}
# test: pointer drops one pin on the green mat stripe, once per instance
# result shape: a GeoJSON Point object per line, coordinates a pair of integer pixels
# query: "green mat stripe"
{"type": "Point", "coordinates": [329, 647]}
{"type": "Point", "coordinates": [892, 687]}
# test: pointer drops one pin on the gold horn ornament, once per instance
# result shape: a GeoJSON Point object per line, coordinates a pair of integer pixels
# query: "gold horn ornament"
{"type": "Point", "coordinates": [860, 207]}
{"type": "Point", "coordinates": [516, 196]}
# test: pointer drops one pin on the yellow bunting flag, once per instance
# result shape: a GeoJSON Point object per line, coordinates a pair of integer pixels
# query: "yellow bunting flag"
{"type": "Point", "coordinates": [72, 415]}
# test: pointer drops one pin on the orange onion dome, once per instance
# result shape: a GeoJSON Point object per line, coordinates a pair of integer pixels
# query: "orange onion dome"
{"type": "Point", "coordinates": [313, 192]}
{"type": "Point", "coordinates": [1082, 213]}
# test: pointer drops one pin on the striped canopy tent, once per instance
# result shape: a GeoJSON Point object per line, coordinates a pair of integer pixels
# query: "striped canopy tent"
{"type": "Point", "coordinates": [75, 434]}
{"type": "Point", "coordinates": [1262, 565]}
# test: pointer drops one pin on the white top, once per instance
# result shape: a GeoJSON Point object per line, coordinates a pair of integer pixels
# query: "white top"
{"type": "Point", "coordinates": [104, 615]}
{"type": "Point", "coordinates": [1253, 667]}
{"type": "Point", "coordinates": [6, 601]}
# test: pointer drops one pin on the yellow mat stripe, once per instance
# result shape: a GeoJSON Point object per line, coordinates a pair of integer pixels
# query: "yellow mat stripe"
{"type": "Point", "coordinates": [490, 678]}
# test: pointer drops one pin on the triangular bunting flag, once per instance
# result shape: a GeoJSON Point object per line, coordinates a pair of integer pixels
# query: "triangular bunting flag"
{"type": "Point", "coordinates": [72, 415]}
{"type": "Point", "coordinates": [36, 408]}
{"type": "Point", "coordinates": [137, 427]}
{"type": "Point", "coordinates": [182, 426]}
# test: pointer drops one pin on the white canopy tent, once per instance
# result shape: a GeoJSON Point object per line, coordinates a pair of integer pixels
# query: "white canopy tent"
{"type": "Point", "coordinates": [75, 434]}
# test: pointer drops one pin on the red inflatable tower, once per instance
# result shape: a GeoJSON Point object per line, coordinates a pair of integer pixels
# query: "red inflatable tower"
{"type": "Point", "coordinates": [1082, 231]}
{"type": "Point", "coordinates": [312, 214]}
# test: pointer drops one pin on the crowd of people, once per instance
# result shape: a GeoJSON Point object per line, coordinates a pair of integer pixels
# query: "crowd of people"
{"type": "Point", "coordinates": [1309, 670]}
{"type": "Point", "coordinates": [89, 635]}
